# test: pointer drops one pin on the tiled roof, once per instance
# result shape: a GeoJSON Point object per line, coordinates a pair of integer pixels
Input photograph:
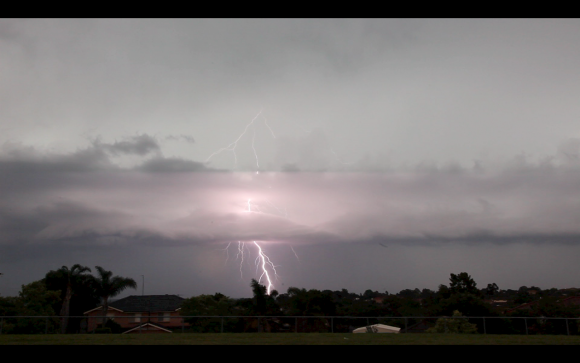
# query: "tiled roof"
{"type": "Point", "coordinates": [137, 303]}
{"type": "Point", "coordinates": [147, 326]}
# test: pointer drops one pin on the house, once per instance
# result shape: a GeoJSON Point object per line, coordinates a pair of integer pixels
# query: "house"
{"type": "Point", "coordinates": [379, 299]}
{"type": "Point", "coordinates": [572, 301]}
{"type": "Point", "coordinates": [145, 313]}
{"type": "Point", "coordinates": [527, 306]}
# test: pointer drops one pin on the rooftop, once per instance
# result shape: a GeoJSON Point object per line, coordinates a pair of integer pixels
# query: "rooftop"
{"type": "Point", "coordinates": [135, 303]}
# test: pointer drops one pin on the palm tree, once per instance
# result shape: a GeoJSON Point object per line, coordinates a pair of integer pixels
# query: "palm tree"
{"type": "Point", "coordinates": [108, 286]}
{"type": "Point", "coordinates": [71, 277]}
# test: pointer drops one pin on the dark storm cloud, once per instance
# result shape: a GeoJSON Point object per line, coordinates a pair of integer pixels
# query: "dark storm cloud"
{"type": "Point", "coordinates": [186, 138]}
{"type": "Point", "coordinates": [138, 145]}
{"type": "Point", "coordinates": [17, 159]}
{"type": "Point", "coordinates": [171, 165]}
{"type": "Point", "coordinates": [165, 201]}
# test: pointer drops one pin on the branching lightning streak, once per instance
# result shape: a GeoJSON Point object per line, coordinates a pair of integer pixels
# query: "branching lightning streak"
{"type": "Point", "coordinates": [265, 260]}
{"type": "Point", "coordinates": [227, 252]}
{"type": "Point", "coordinates": [292, 248]}
{"type": "Point", "coordinates": [266, 263]}
{"type": "Point", "coordinates": [233, 145]}
{"type": "Point", "coordinates": [266, 123]}
{"type": "Point", "coordinates": [262, 260]}
{"type": "Point", "coordinates": [255, 153]}
{"type": "Point", "coordinates": [241, 246]}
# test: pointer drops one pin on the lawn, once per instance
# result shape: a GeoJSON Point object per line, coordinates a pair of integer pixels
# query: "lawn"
{"type": "Point", "coordinates": [287, 339]}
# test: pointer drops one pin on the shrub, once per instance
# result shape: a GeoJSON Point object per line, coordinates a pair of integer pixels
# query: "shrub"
{"type": "Point", "coordinates": [454, 325]}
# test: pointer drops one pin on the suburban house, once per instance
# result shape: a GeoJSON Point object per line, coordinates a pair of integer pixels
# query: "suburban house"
{"type": "Point", "coordinates": [571, 301]}
{"type": "Point", "coordinates": [146, 313]}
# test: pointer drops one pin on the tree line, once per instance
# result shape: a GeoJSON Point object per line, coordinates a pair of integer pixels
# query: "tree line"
{"type": "Point", "coordinates": [460, 297]}
{"type": "Point", "coordinates": [64, 292]}
{"type": "Point", "coordinates": [72, 291]}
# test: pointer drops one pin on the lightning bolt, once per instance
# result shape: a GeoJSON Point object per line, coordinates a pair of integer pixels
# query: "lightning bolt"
{"type": "Point", "coordinates": [268, 126]}
{"type": "Point", "coordinates": [295, 253]}
{"type": "Point", "coordinates": [241, 246]}
{"type": "Point", "coordinates": [263, 262]}
{"type": "Point", "coordinates": [227, 252]}
{"type": "Point", "coordinates": [232, 147]}
{"type": "Point", "coordinates": [255, 153]}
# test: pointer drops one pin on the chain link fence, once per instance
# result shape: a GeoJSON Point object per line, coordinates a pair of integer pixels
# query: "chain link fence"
{"type": "Point", "coordinates": [285, 324]}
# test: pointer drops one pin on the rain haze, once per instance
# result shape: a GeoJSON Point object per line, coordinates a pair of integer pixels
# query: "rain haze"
{"type": "Point", "coordinates": [378, 154]}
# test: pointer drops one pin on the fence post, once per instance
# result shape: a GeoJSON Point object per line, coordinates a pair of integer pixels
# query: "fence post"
{"type": "Point", "coordinates": [46, 325]}
{"type": "Point", "coordinates": [484, 330]}
{"type": "Point", "coordinates": [295, 325]}
{"type": "Point", "coordinates": [1, 324]}
{"type": "Point", "coordinates": [222, 327]}
{"type": "Point", "coordinates": [567, 328]}
{"type": "Point", "coordinates": [182, 325]}
{"type": "Point", "coordinates": [405, 324]}
{"type": "Point", "coordinates": [331, 326]}
{"type": "Point", "coordinates": [526, 323]}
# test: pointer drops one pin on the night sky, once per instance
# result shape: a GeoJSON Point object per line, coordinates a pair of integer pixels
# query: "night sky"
{"type": "Point", "coordinates": [378, 154]}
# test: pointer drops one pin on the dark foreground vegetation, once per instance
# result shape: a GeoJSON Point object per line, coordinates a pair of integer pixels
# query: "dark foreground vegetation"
{"type": "Point", "coordinates": [288, 339]}
{"type": "Point", "coordinates": [70, 292]}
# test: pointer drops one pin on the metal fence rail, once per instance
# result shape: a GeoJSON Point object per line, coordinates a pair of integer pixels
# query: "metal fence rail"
{"type": "Point", "coordinates": [296, 324]}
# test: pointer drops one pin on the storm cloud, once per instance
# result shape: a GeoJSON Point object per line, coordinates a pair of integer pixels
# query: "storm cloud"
{"type": "Point", "coordinates": [68, 197]}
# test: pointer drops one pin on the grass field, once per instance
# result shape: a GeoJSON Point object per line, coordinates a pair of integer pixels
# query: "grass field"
{"type": "Point", "coordinates": [288, 339]}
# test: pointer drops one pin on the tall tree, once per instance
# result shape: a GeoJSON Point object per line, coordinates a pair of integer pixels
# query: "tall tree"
{"type": "Point", "coordinates": [463, 283]}
{"type": "Point", "coordinates": [260, 297]}
{"type": "Point", "coordinates": [72, 278]}
{"type": "Point", "coordinates": [491, 290]}
{"type": "Point", "coordinates": [108, 286]}
{"type": "Point", "coordinates": [36, 300]}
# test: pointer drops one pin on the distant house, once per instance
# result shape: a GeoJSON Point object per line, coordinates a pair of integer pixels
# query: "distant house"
{"type": "Point", "coordinates": [499, 304]}
{"type": "Point", "coordinates": [568, 302]}
{"type": "Point", "coordinates": [379, 299]}
{"type": "Point", "coordinates": [147, 313]}
{"type": "Point", "coordinates": [527, 306]}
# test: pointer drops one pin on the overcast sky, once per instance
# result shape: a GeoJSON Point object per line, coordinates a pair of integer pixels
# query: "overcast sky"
{"type": "Point", "coordinates": [377, 154]}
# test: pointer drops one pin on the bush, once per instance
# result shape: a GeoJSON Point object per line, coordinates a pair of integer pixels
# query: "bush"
{"type": "Point", "coordinates": [455, 325]}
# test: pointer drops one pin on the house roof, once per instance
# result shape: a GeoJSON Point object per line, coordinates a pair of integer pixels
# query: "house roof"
{"type": "Point", "coordinates": [570, 300]}
{"type": "Point", "coordinates": [522, 306]}
{"type": "Point", "coordinates": [148, 326]}
{"type": "Point", "coordinates": [145, 303]}
{"type": "Point", "coordinates": [136, 303]}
